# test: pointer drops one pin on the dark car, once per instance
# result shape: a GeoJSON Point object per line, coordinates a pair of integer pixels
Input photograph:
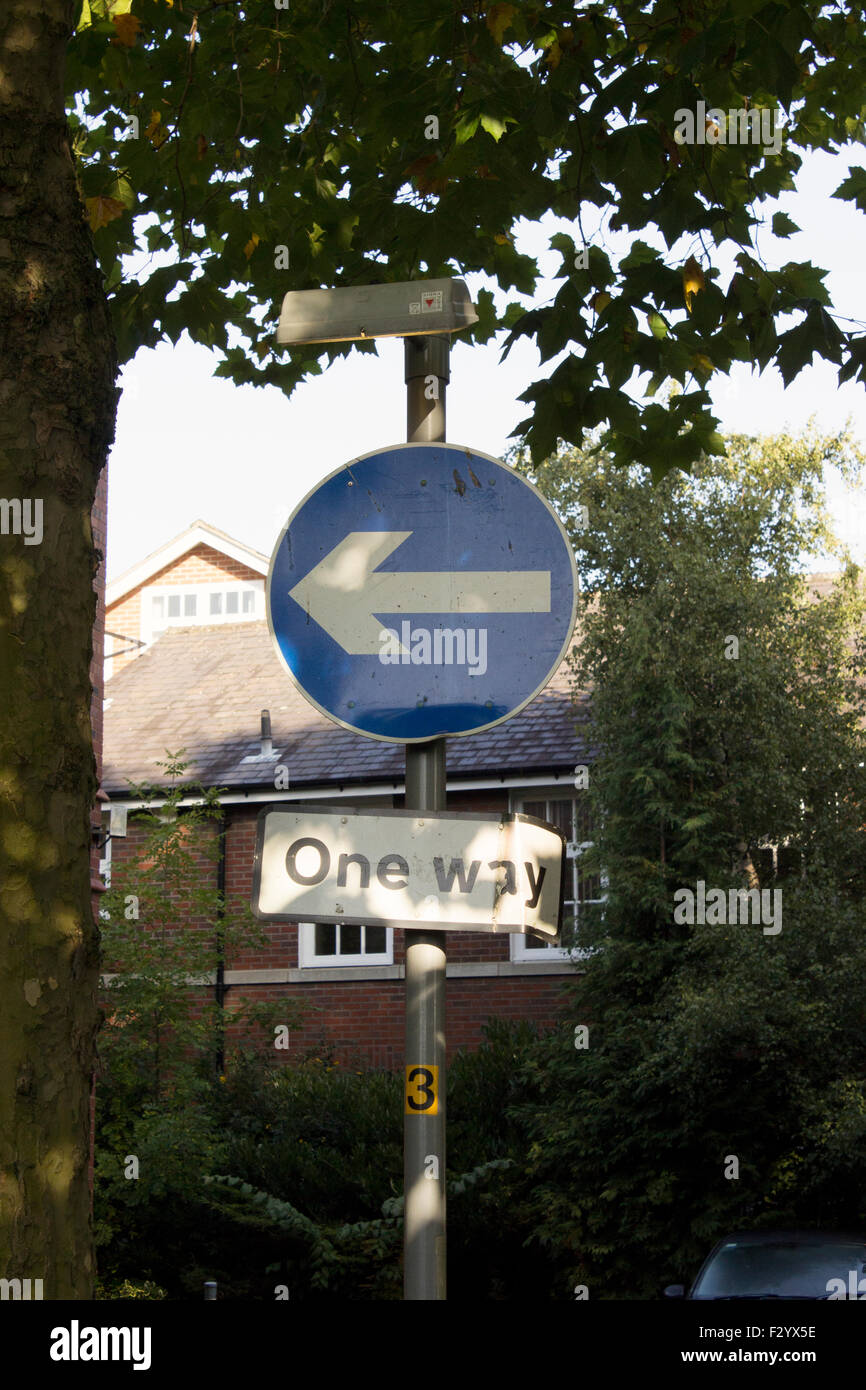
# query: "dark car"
{"type": "Point", "coordinates": [781, 1264]}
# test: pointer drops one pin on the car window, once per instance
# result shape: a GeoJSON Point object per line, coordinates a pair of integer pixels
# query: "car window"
{"type": "Point", "coordinates": [785, 1268]}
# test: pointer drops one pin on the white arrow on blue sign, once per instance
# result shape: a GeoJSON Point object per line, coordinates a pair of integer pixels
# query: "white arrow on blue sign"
{"type": "Point", "coordinates": [422, 591]}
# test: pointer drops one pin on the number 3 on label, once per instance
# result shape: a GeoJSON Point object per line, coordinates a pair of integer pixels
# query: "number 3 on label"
{"type": "Point", "coordinates": [422, 1090]}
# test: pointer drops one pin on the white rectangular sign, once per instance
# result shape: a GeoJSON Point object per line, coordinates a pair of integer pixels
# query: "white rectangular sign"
{"type": "Point", "coordinates": [481, 872]}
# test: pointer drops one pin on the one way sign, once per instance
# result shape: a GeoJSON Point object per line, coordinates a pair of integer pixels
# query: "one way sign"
{"type": "Point", "coordinates": [422, 591]}
{"type": "Point", "coordinates": [481, 872]}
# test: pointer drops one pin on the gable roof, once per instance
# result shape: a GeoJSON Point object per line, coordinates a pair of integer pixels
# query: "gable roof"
{"type": "Point", "coordinates": [199, 533]}
{"type": "Point", "coordinates": [204, 689]}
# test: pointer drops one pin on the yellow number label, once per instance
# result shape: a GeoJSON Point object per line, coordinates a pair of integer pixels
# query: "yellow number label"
{"type": "Point", "coordinates": [422, 1090]}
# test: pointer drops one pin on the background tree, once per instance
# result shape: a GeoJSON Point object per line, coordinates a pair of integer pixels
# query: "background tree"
{"type": "Point", "coordinates": [707, 1041]}
{"type": "Point", "coordinates": [252, 150]}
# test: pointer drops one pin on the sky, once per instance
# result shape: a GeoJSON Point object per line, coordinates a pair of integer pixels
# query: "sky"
{"type": "Point", "coordinates": [190, 446]}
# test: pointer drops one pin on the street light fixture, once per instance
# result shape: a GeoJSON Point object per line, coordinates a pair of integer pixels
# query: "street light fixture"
{"type": "Point", "coordinates": [401, 310]}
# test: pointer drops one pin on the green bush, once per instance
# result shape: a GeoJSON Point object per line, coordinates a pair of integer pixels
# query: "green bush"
{"type": "Point", "coordinates": [325, 1137]}
{"type": "Point", "coordinates": [126, 1288]}
{"type": "Point", "coordinates": [279, 1174]}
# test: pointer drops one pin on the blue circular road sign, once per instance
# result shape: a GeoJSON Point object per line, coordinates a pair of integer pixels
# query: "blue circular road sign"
{"type": "Point", "coordinates": [420, 591]}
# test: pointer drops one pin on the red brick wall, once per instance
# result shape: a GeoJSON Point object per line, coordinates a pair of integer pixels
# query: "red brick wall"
{"type": "Point", "coordinates": [128, 852]}
{"type": "Point", "coordinates": [362, 1020]}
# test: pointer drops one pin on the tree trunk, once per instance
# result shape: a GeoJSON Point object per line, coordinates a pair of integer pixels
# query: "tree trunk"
{"type": "Point", "coordinates": [746, 866]}
{"type": "Point", "coordinates": [57, 406]}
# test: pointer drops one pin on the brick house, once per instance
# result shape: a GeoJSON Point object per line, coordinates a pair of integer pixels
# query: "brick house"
{"type": "Point", "coordinates": [198, 676]}
{"type": "Point", "coordinates": [202, 576]}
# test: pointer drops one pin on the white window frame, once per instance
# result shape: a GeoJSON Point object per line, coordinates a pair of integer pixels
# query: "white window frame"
{"type": "Point", "coordinates": [308, 960]}
{"type": "Point", "coordinates": [203, 617]}
{"type": "Point", "coordinates": [520, 952]}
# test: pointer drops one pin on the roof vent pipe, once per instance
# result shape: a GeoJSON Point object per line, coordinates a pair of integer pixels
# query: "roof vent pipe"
{"type": "Point", "coordinates": [267, 744]}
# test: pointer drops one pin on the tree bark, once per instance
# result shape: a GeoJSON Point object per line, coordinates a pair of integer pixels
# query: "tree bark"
{"type": "Point", "coordinates": [57, 408]}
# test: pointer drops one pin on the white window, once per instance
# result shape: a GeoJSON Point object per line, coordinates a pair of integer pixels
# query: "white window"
{"type": "Point", "coordinates": [228, 601]}
{"type": "Point", "coordinates": [339, 943]}
{"type": "Point", "coordinates": [571, 816]}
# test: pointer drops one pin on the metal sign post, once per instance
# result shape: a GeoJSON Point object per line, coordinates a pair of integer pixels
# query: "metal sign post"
{"type": "Point", "coordinates": [424, 1242]}
{"type": "Point", "coordinates": [418, 528]}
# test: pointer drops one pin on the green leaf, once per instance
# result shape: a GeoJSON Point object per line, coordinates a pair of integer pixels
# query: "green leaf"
{"type": "Point", "coordinates": [783, 226]}
{"type": "Point", "coordinates": [639, 254]}
{"type": "Point", "coordinates": [853, 188]}
{"type": "Point", "coordinates": [494, 126]}
{"type": "Point", "coordinates": [466, 128]}
{"type": "Point", "coordinates": [817, 333]}
{"type": "Point", "coordinates": [715, 443]}
{"type": "Point", "coordinates": [856, 364]}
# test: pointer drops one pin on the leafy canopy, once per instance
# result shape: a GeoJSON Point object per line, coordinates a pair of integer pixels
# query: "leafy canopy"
{"type": "Point", "coordinates": [252, 148]}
